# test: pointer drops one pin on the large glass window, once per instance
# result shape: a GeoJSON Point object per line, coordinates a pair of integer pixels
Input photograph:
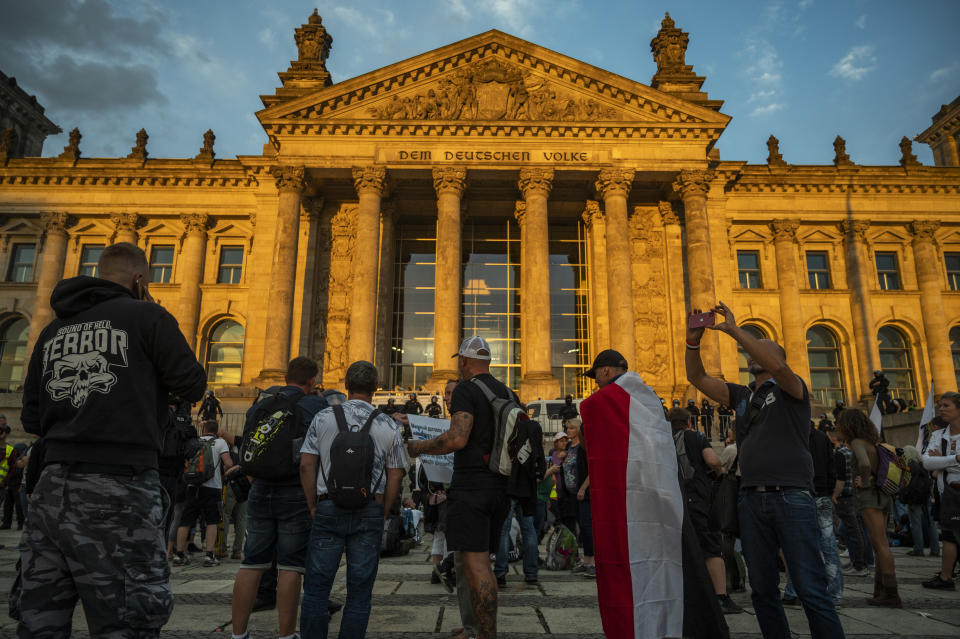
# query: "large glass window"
{"type": "Point", "coordinates": [161, 264]}
{"type": "Point", "coordinates": [818, 270]}
{"type": "Point", "coordinates": [748, 265]}
{"type": "Point", "coordinates": [888, 275]}
{"type": "Point", "coordinates": [745, 376]}
{"type": "Point", "coordinates": [491, 293]}
{"type": "Point", "coordinates": [13, 354]}
{"type": "Point", "coordinates": [953, 270]}
{"type": "Point", "coordinates": [826, 369]}
{"type": "Point", "coordinates": [89, 258]}
{"type": "Point", "coordinates": [225, 354]}
{"type": "Point", "coordinates": [569, 319]}
{"type": "Point", "coordinates": [955, 350]}
{"type": "Point", "coordinates": [21, 263]}
{"type": "Point", "coordinates": [231, 265]}
{"type": "Point", "coordinates": [896, 362]}
{"type": "Point", "coordinates": [411, 346]}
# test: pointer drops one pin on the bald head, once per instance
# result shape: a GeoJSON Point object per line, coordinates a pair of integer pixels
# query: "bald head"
{"type": "Point", "coordinates": [122, 263]}
{"type": "Point", "coordinates": [770, 347]}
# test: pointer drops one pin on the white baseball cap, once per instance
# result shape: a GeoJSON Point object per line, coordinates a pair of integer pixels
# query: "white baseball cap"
{"type": "Point", "coordinates": [475, 348]}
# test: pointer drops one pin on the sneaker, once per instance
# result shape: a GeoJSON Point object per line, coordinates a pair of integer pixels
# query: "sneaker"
{"type": "Point", "coordinates": [502, 581]}
{"type": "Point", "coordinates": [179, 559]}
{"type": "Point", "coordinates": [932, 554]}
{"type": "Point", "coordinates": [790, 602]}
{"type": "Point", "coordinates": [939, 584]}
{"type": "Point", "coordinates": [844, 553]}
{"type": "Point", "coordinates": [532, 582]}
{"type": "Point", "coordinates": [210, 560]}
{"type": "Point", "coordinates": [435, 575]}
{"type": "Point", "coordinates": [438, 577]}
{"type": "Point", "coordinates": [590, 572]}
{"type": "Point", "coordinates": [915, 553]}
{"type": "Point", "coordinates": [450, 580]}
{"type": "Point", "coordinates": [578, 568]}
{"type": "Point", "coordinates": [866, 572]}
{"type": "Point", "coordinates": [728, 605]}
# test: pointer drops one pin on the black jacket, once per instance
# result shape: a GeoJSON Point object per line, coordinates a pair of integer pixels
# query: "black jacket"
{"type": "Point", "coordinates": [530, 467]}
{"type": "Point", "coordinates": [100, 374]}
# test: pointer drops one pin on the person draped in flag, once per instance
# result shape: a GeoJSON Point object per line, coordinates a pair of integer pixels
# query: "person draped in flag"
{"type": "Point", "coordinates": [648, 585]}
{"type": "Point", "coordinates": [777, 510]}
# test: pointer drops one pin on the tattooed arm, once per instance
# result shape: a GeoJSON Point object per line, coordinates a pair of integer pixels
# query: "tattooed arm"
{"type": "Point", "coordinates": [449, 441]}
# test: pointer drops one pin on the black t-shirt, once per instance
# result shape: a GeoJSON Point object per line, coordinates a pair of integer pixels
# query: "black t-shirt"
{"type": "Point", "coordinates": [470, 470]}
{"type": "Point", "coordinates": [699, 486]}
{"type": "Point", "coordinates": [776, 450]}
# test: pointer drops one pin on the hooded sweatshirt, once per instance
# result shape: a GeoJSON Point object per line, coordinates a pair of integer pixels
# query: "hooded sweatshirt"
{"type": "Point", "coordinates": [100, 374]}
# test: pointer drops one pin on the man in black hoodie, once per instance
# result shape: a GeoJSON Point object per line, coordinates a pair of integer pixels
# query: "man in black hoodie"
{"type": "Point", "coordinates": [96, 391]}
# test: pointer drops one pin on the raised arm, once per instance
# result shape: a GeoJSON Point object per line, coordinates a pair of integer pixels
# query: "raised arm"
{"type": "Point", "coordinates": [453, 439]}
{"type": "Point", "coordinates": [712, 387]}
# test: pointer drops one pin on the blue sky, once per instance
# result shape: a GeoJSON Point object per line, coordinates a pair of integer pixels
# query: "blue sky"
{"type": "Point", "coordinates": [804, 70]}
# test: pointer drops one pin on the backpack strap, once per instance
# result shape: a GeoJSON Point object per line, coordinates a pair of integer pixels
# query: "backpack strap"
{"type": "Point", "coordinates": [341, 419]}
{"type": "Point", "coordinates": [486, 389]}
{"type": "Point", "coordinates": [369, 422]}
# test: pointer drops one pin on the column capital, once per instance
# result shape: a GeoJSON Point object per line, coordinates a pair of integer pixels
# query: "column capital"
{"type": "Point", "coordinates": [536, 180]}
{"type": "Point", "coordinates": [692, 182]}
{"type": "Point", "coordinates": [55, 221]}
{"type": "Point", "coordinates": [667, 214]}
{"type": "Point", "coordinates": [855, 229]}
{"type": "Point", "coordinates": [194, 222]}
{"type": "Point", "coordinates": [923, 230]}
{"type": "Point", "coordinates": [591, 213]}
{"type": "Point", "coordinates": [450, 179]}
{"type": "Point", "coordinates": [784, 230]}
{"type": "Point", "coordinates": [614, 182]}
{"type": "Point", "coordinates": [290, 178]}
{"type": "Point", "coordinates": [125, 221]}
{"type": "Point", "coordinates": [370, 179]}
{"type": "Point", "coordinates": [520, 212]}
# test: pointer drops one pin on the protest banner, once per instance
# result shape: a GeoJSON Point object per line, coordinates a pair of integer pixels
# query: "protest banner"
{"type": "Point", "coordinates": [439, 468]}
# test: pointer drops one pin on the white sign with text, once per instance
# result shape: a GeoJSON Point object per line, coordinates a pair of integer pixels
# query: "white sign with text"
{"type": "Point", "coordinates": [439, 468]}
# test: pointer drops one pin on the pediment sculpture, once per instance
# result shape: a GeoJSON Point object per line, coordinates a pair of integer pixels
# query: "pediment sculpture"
{"type": "Point", "coordinates": [493, 90]}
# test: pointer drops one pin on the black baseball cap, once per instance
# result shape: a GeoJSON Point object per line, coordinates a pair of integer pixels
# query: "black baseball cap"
{"type": "Point", "coordinates": [608, 357]}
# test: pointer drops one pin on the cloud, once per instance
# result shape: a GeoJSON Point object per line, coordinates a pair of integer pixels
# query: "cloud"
{"type": "Point", "coordinates": [95, 86]}
{"type": "Point", "coordinates": [370, 23]}
{"type": "Point", "coordinates": [944, 72]}
{"type": "Point", "coordinates": [861, 22]}
{"type": "Point", "coordinates": [267, 37]}
{"type": "Point", "coordinates": [766, 109]}
{"type": "Point", "coordinates": [458, 10]}
{"type": "Point", "coordinates": [805, 4]}
{"type": "Point", "coordinates": [514, 13]}
{"type": "Point", "coordinates": [858, 62]}
{"type": "Point", "coordinates": [761, 95]}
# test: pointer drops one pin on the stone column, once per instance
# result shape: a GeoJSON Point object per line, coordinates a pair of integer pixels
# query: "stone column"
{"type": "Point", "coordinates": [861, 309]}
{"type": "Point", "coordinates": [291, 182]}
{"type": "Point", "coordinates": [791, 312]}
{"type": "Point", "coordinates": [596, 225]}
{"type": "Point", "coordinates": [190, 266]}
{"type": "Point", "coordinates": [450, 183]}
{"type": "Point", "coordinates": [126, 225]}
{"type": "Point", "coordinates": [538, 380]}
{"type": "Point", "coordinates": [370, 182]}
{"type": "Point", "coordinates": [49, 272]}
{"type": "Point", "coordinates": [673, 238]}
{"type": "Point", "coordinates": [931, 302]}
{"type": "Point", "coordinates": [693, 184]}
{"type": "Point", "coordinates": [613, 186]}
{"type": "Point", "coordinates": [388, 243]}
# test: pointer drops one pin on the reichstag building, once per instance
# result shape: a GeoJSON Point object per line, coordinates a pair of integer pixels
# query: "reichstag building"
{"type": "Point", "coordinates": [495, 187]}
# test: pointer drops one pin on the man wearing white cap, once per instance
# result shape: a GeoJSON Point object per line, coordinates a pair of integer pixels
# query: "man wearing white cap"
{"type": "Point", "coordinates": [476, 502]}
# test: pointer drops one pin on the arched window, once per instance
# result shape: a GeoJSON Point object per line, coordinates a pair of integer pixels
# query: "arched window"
{"type": "Point", "coordinates": [955, 350]}
{"type": "Point", "coordinates": [13, 354]}
{"type": "Point", "coordinates": [896, 363]}
{"type": "Point", "coordinates": [826, 370]}
{"type": "Point", "coordinates": [756, 331]}
{"type": "Point", "coordinates": [225, 354]}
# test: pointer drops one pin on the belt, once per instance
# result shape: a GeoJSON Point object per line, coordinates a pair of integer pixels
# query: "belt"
{"type": "Point", "coordinates": [771, 489]}
{"type": "Point", "coordinates": [323, 497]}
{"type": "Point", "coordinates": [117, 470]}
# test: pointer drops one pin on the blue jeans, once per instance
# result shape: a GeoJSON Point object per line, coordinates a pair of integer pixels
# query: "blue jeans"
{"type": "Point", "coordinates": [828, 548]}
{"type": "Point", "coordinates": [788, 521]}
{"type": "Point", "coordinates": [585, 519]}
{"type": "Point", "coordinates": [277, 528]}
{"type": "Point", "coordinates": [530, 551]}
{"type": "Point", "coordinates": [921, 524]}
{"type": "Point", "coordinates": [540, 518]}
{"type": "Point", "coordinates": [336, 530]}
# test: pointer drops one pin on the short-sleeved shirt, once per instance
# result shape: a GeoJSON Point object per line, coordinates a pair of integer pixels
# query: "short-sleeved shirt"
{"type": "Point", "coordinates": [843, 467]}
{"type": "Point", "coordinates": [470, 471]}
{"type": "Point", "coordinates": [219, 447]}
{"type": "Point", "coordinates": [388, 443]}
{"type": "Point", "coordinates": [776, 449]}
{"type": "Point", "coordinates": [698, 487]}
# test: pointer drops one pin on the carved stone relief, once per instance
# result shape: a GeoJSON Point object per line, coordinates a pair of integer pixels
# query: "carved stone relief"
{"type": "Point", "coordinates": [647, 252]}
{"type": "Point", "coordinates": [339, 293]}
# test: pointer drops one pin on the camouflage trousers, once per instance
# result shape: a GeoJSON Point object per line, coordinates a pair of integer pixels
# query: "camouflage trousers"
{"type": "Point", "coordinates": [97, 538]}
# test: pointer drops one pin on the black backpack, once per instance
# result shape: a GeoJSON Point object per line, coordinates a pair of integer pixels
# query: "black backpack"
{"type": "Point", "coordinates": [918, 490]}
{"type": "Point", "coordinates": [272, 437]}
{"type": "Point", "coordinates": [179, 439]}
{"type": "Point", "coordinates": [351, 463]}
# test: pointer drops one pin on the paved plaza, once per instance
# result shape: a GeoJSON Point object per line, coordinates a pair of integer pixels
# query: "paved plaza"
{"type": "Point", "coordinates": [407, 606]}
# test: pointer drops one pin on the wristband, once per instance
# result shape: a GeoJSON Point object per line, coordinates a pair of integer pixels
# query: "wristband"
{"type": "Point", "coordinates": [694, 346]}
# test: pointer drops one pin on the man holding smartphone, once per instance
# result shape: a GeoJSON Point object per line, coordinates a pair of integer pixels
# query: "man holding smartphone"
{"type": "Point", "coordinates": [777, 509]}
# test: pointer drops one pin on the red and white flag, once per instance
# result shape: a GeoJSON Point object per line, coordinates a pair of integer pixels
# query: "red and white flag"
{"type": "Point", "coordinates": [637, 511]}
{"type": "Point", "coordinates": [929, 412]}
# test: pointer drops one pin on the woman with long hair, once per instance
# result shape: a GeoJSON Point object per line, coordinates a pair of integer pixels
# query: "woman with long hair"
{"type": "Point", "coordinates": [855, 428]}
{"type": "Point", "coordinates": [576, 482]}
{"type": "Point", "coordinates": [942, 456]}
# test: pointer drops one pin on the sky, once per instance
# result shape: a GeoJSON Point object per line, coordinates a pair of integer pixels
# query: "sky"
{"type": "Point", "coordinates": [806, 71]}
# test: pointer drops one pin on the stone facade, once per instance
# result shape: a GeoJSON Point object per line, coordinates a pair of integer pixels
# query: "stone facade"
{"type": "Point", "coordinates": [23, 125]}
{"type": "Point", "coordinates": [493, 132]}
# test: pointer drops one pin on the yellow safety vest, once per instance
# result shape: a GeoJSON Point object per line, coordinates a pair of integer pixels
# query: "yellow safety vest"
{"type": "Point", "coordinates": [5, 464]}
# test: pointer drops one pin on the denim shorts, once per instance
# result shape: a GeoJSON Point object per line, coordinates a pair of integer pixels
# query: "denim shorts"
{"type": "Point", "coordinates": [278, 524]}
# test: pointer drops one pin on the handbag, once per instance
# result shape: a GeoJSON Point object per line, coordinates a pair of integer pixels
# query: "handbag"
{"type": "Point", "coordinates": [950, 499]}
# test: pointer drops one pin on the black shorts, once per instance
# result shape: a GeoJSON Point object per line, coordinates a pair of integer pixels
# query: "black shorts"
{"type": "Point", "coordinates": [475, 519]}
{"type": "Point", "coordinates": [948, 535]}
{"type": "Point", "coordinates": [202, 501]}
{"type": "Point", "coordinates": [710, 542]}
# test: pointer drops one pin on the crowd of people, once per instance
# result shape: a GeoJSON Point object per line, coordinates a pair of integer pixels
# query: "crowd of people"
{"type": "Point", "coordinates": [122, 479]}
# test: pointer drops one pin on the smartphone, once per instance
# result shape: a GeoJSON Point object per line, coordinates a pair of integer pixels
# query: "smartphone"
{"type": "Point", "coordinates": [703, 320]}
{"type": "Point", "coordinates": [141, 289]}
